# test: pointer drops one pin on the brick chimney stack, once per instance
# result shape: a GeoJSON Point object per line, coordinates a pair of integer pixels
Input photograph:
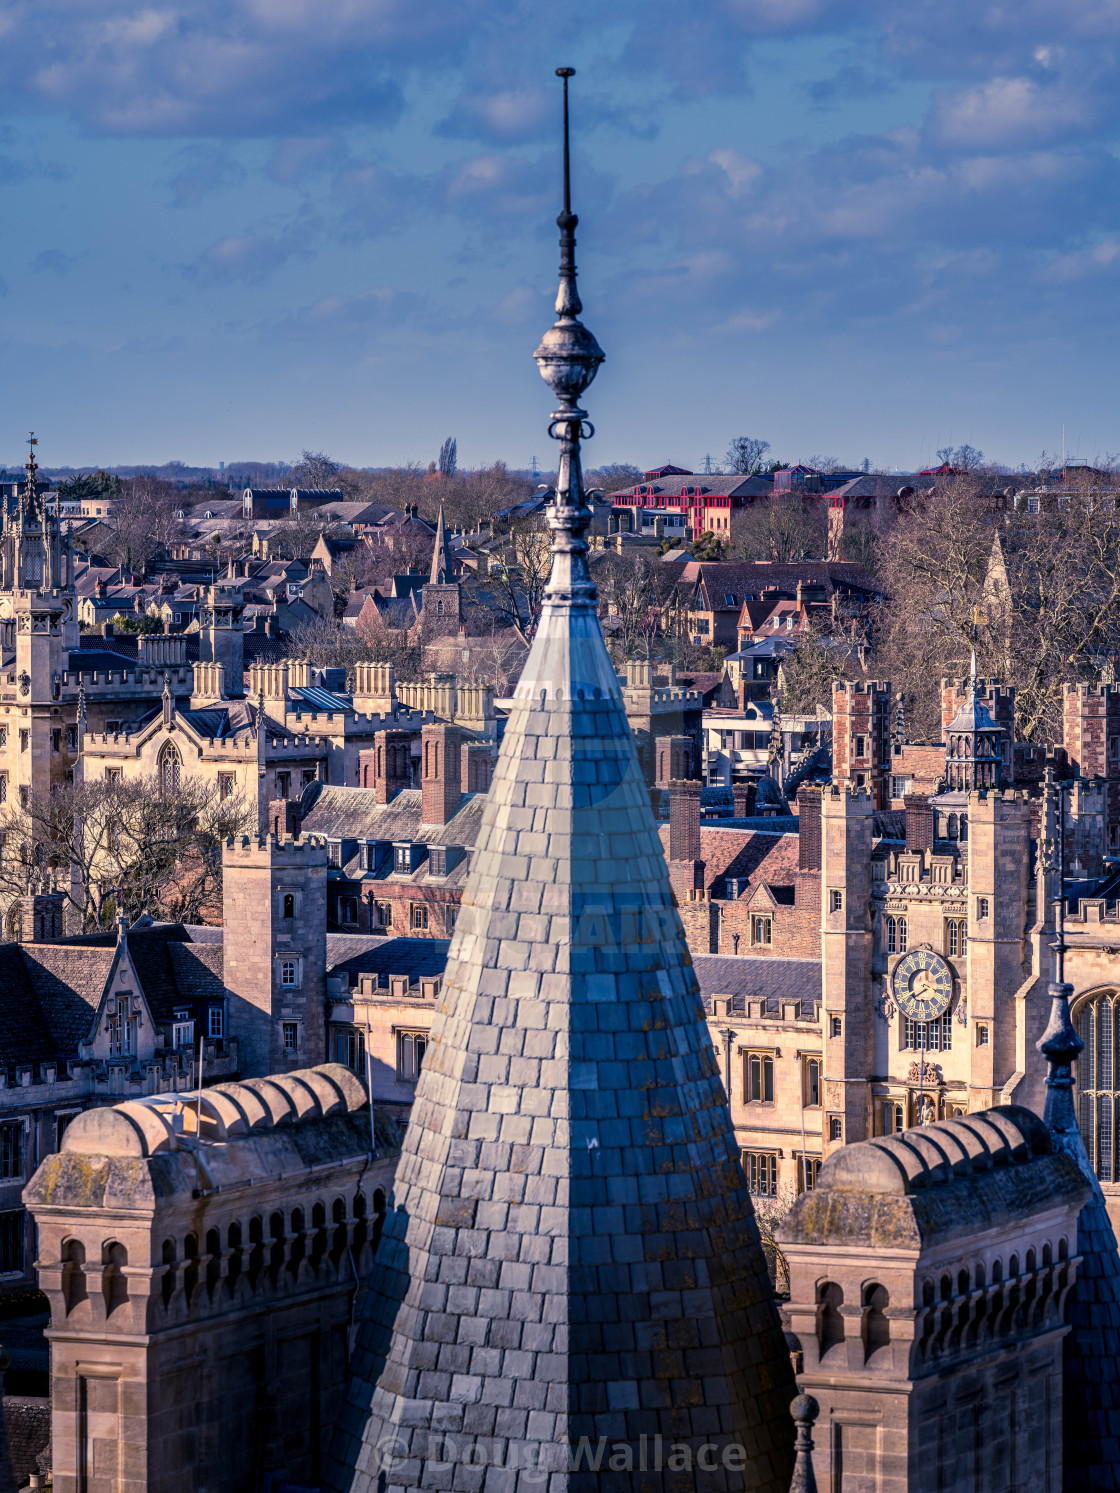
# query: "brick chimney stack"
{"type": "Point", "coordinates": [921, 821]}
{"type": "Point", "coordinates": [743, 799]}
{"type": "Point", "coordinates": [285, 820]}
{"type": "Point", "coordinates": [386, 767]}
{"type": "Point", "coordinates": [476, 767]}
{"type": "Point", "coordinates": [809, 829]}
{"type": "Point", "coordinates": [686, 869]}
{"type": "Point", "coordinates": [440, 772]}
{"type": "Point", "coordinates": [673, 759]}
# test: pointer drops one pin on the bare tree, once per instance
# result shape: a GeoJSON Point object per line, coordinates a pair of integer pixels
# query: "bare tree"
{"type": "Point", "coordinates": [745, 454]}
{"type": "Point", "coordinates": [315, 469]}
{"type": "Point", "coordinates": [963, 458]}
{"type": "Point", "coordinates": [615, 476]}
{"type": "Point", "coordinates": [448, 457]}
{"type": "Point", "coordinates": [143, 521]}
{"type": "Point", "coordinates": [521, 575]}
{"type": "Point", "coordinates": [809, 672]}
{"type": "Point", "coordinates": [783, 529]}
{"type": "Point", "coordinates": [128, 847]}
{"type": "Point", "coordinates": [1037, 595]}
{"type": "Point", "coordinates": [329, 644]}
{"type": "Point", "coordinates": [634, 591]}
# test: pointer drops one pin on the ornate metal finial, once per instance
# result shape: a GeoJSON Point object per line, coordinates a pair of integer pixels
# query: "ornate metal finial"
{"type": "Point", "coordinates": [804, 1411]}
{"type": "Point", "coordinates": [32, 469]}
{"type": "Point", "coordinates": [1059, 1043]}
{"type": "Point", "coordinates": [568, 358]}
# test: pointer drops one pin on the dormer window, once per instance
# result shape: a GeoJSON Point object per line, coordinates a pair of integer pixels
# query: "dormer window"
{"type": "Point", "coordinates": [437, 860]}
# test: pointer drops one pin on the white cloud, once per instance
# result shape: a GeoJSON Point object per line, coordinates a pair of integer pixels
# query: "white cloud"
{"type": "Point", "coordinates": [1012, 113]}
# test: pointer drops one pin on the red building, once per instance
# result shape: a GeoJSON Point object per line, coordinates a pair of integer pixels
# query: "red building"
{"type": "Point", "coordinates": [705, 503]}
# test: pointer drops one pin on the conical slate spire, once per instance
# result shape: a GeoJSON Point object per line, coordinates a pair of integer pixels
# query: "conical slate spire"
{"type": "Point", "coordinates": [1091, 1370]}
{"type": "Point", "coordinates": [443, 570]}
{"type": "Point", "coordinates": [570, 1284]}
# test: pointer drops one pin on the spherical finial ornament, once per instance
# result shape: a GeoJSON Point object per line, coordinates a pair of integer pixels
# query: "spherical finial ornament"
{"type": "Point", "coordinates": [805, 1408]}
{"type": "Point", "coordinates": [565, 72]}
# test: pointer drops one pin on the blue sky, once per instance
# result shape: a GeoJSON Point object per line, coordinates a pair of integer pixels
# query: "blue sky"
{"type": "Point", "coordinates": [234, 228]}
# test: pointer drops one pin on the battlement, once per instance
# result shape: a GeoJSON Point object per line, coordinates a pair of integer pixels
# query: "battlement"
{"type": "Point", "coordinates": [859, 797]}
{"type": "Point", "coordinates": [1097, 691]}
{"type": "Point", "coordinates": [304, 852]}
{"type": "Point", "coordinates": [181, 679]}
{"type": "Point", "coordinates": [860, 687]}
{"type": "Point", "coordinates": [985, 796]}
{"type": "Point", "coordinates": [989, 688]}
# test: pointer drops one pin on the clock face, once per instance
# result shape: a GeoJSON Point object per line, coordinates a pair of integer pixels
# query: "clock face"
{"type": "Point", "coordinates": [923, 985]}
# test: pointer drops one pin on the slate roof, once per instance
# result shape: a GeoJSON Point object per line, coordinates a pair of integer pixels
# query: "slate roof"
{"type": "Point", "coordinates": [745, 977]}
{"type": "Point", "coordinates": [28, 1419]}
{"type": "Point", "coordinates": [49, 992]}
{"type": "Point", "coordinates": [356, 954]}
{"type": "Point", "coordinates": [173, 971]}
{"type": "Point", "coordinates": [24, 1034]}
{"type": "Point", "coordinates": [743, 579]}
{"type": "Point", "coordinates": [67, 981]}
{"type": "Point", "coordinates": [355, 814]}
{"type": "Point", "coordinates": [570, 1140]}
{"type": "Point", "coordinates": [733, 485]}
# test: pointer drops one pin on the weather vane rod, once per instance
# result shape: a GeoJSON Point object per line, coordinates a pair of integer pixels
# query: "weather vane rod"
{"type": "Point", "coordinates": [568, 358]}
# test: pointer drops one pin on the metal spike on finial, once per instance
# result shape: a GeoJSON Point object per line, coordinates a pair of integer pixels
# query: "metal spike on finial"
{"type": "Point", "coordinates": [804, 1411]}
{"type": "Point", "coordinates": [568, 358]}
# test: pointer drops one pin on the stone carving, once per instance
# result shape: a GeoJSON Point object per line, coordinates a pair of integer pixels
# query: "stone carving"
{"type": "Point", "coordinates": [925, 1073]}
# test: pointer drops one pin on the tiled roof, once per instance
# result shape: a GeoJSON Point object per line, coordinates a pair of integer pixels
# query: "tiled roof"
{"type": "Point", "coordinates": [759, 854]}
{"type": "Point", "coordinates": [355, 814]}
{"type": "Point", "coordinates": [172, 971]}
{"type": "Point", "coordinates": [28, 1419]}
{"type": "Point", "coordinates": [68, 981]}
{"type": "Point", "coordinates": [356, 954]}
{"type": "Point", "coordinates": [718, 486]}
{"type": "Point", "coordinates": [741, 577]}
{"type": "Point", "coordinates": [24, 1036]}
{"type": "Point", "coordinates": [745, 978]}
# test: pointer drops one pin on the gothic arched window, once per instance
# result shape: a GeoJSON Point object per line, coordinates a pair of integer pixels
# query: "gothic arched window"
{"type": "Point", "coordinates": [1097, 1022]}
{"type": "Point", "coordinates": [169, 767]}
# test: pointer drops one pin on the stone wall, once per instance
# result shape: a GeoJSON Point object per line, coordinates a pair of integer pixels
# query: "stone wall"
{"type": "Point", "coordinates": [201, 1296]}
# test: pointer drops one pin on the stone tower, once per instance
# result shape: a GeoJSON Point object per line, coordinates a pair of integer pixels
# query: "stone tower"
{"type": "Point", "coordinates": [222, 639]}
{"type": "Point", "coordinates": [847, 821]}
{"type": "Point", "coordinates": [999, 854]}
{"type": "Point", "coordinates": [274, 912]}
{"type": "Point", "coordinates": [44, 624]}
{"type": "Point", "coordinates": [570, 1269]}
{"type": "Point", "coordinates": [441, 599]}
